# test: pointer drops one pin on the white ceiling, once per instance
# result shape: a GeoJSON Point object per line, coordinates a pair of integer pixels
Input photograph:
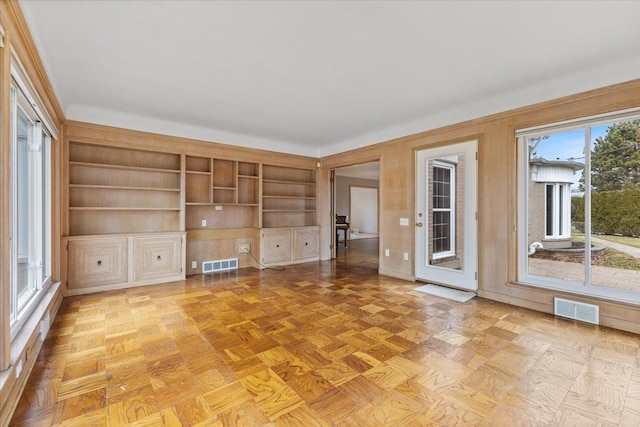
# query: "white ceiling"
{"type": "Point", "coordinates": [319, 78]}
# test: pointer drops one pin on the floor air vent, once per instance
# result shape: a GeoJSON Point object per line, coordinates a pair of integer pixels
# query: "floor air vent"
{"type": "Point", "coordinates": [577, 310]}
{"type": "Point", "coordinates": [220, 265]}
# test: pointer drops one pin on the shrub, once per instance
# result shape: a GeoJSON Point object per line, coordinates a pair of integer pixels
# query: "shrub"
{"type": "Point", "coordinates": [612, 212]}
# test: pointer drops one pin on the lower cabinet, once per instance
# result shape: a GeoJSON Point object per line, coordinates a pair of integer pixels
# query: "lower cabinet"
{"type": "Point", "coordinates": [280, 246]}
{"type": "Point", "coordinates": [100, 263]}
{"type": "Point", "coordinates": [157, 257]}
{"type": "Point", "coordinates": [97, 262]}
{"type": "Point", "coordinates": [305, 243]}
{"type": "Point", "coordinates": [276, 246]}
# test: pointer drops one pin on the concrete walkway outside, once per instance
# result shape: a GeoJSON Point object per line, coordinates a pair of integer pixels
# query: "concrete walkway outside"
{"type": "Point", "coordinates": [630, 250]}
{"type": "Point", "coordinates": [602, 276]}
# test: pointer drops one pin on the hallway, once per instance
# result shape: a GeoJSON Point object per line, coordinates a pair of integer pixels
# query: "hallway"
{"type": "Point", "coordinates": [361, 253]}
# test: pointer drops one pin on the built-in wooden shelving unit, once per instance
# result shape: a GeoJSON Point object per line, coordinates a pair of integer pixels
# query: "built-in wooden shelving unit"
{"type": "Point", "coordinates": [288, 196]}
{"type": "Point", "coordinates": [130, 207]}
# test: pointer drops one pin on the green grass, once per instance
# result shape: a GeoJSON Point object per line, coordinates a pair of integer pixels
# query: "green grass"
{"type": "Point", "coordinates": [613, 258]}
{"type": "Point", "coordinates": [616, 259]}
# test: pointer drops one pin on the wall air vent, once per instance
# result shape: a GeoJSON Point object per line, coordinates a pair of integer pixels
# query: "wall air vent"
{"type": "Point", "coordinates": [219, 265]}
{"type": "Point", "coordinates": [576, 310]}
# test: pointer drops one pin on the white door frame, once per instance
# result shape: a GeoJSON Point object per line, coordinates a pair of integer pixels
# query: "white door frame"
{"type": "Point", "coordinates": [466, 277]}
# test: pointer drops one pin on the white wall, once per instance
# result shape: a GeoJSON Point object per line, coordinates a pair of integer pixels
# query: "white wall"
{"type": "Point", "coordinates": [343, 183]}
{"type": "Point", "coordinates": [364, 209]}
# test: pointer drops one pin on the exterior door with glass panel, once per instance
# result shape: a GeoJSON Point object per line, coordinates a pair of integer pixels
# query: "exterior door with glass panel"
{"type": "Point", "coordinates": [446, 229]}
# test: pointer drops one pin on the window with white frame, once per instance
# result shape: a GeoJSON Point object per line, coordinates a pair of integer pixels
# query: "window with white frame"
{"type": "Point", "coordinates": [30, 206]}
{"type": "Point", "coordinates": [443, 210]}
{"type": "Point", "coordinates": [557, 211]}
{"type": "Point", "coordinates": [579, 188]}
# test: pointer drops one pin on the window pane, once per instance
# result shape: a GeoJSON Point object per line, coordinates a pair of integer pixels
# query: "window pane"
{"type": "Point", "coordinates": [45, 219]}
{"type": "Point", "coordinates": [549, 209]}
{"type": "Point", "coordinates": [555, 163]}
{"type": "Point", "coordinates": [441, 188]}
{"type": "Point", "coordinates": [26, 210]}
{"type": "Point", "coordinates": [441, 232]}
{"type": "Point", "coordinates": [560, 210]}
{"type": "Point", "coordinates": [615, 204]}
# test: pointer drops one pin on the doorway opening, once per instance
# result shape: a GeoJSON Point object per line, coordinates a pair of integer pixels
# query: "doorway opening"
{"type": "Point", "coordinates": [356, 202]}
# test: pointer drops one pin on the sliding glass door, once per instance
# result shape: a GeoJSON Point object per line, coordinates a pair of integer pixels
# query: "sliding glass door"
{"type": "Point", "coordinates": [579, 205]}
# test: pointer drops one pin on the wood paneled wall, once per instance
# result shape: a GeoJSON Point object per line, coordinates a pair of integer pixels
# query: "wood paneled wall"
{"type": "Point", "coordinates": [497, 197]}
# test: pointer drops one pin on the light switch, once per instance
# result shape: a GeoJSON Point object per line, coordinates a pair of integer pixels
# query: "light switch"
{"type": "Point", "coordinates": [404, 221]}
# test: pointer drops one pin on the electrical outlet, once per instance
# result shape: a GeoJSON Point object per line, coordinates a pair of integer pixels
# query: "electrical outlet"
{"type": "Point", "coordinates": [194, 264]}
{"type": "Point", "coordinates": [244, 248]}
{"type": "Point", "coordinates": [218, 208]}
{"type": "Point", "coordinates": [386, 252]}
{"type": "Point", "coordinates": [204, 222]}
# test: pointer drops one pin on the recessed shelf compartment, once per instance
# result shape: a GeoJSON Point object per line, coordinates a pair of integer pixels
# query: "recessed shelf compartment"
{"type": "Point", "coordinates": [213, 182]}
{"type": "Point", "coordinates": [118, 187]}
{"type": "Point", "coordinates": [121, 167]}
{"type": "Point", "coordinates": [197, 188]}
{"type": "Point", "coordinates": [109, 197]}
{"type": "Point", "coordinates": [231, 216]}
{"type": "Point", "coordinates": [224, 173]}
{"type": "Point", "coordinates": [198, 165]}
{"type": "Point", "coordinates": [224, 195]}
{"type": "Point", "coordinates": [114, 157]}
{"type": "Point", "coordinates": [288, 196]}
{"type": "Point", "coordinates": [117, 190]}
{"type": "Point", "coordinates": [248, 170]}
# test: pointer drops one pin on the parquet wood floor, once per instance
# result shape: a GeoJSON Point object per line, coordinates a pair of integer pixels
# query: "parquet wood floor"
{"type": "Point", "coordinates": [323, 344]}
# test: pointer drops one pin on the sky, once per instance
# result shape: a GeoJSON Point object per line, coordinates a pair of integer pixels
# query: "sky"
{"type": "Point", "coordinates": [569, 146]}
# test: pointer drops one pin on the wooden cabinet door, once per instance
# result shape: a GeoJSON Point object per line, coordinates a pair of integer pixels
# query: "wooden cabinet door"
{"type": "Point", "coordinates": [157, 257]}
{"type": "Point", "coordinates": [97, 262]}
{"type": "Point", "coordinates": [305, 243]}
{"type": "Point", "coordinates": [276, 246]}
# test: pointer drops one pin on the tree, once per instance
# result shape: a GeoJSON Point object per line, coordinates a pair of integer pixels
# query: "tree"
{"type": "Point", "coordinates": [615, 158]}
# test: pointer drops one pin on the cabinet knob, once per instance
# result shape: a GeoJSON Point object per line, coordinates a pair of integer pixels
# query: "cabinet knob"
{"type": "Point", "coordinates": [99, 263]}
{"type": "Point", "coordinates": [159, 258]}
{"type": "Point", "coordinates": [277, 246]}
{"type": "Point", "coordinates": [306, 243]}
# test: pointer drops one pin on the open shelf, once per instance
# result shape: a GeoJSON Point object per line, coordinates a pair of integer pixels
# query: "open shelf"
{"type": "Point", "coordinates": [198, 165]}
{"type": "Point", "coordinates": [120, 187]}
{"type": "Point", "coordinates": [120, 167]}
{"type": "Point", "coordinates": [288, 210]}
{"type": "Point", "coordinates": [118, 190]}
{"type": "Point", "coordinates": [116, 208]}
{"type": "Point", "coordinates": [288, 182]}
{"type": "Point", "coordinates": [288, 196]}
